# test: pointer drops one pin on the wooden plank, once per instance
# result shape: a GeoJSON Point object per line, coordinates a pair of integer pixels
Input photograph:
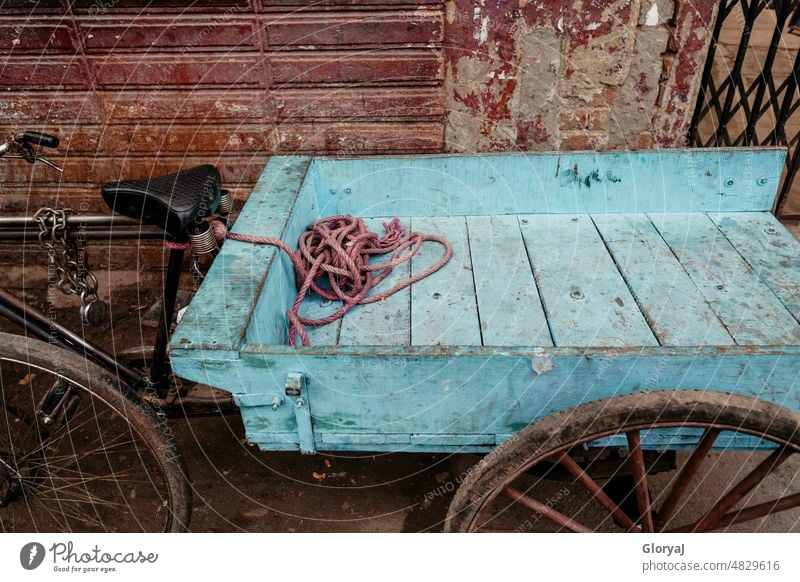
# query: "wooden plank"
{"type": "Point", "coordinates": [268, 323]}
{"type": "Point", "coordinates": [675, 309]}
{"type": "Point", "coordinates": [586, 298]}
{"type": "Point", "coordinates": [735, 179]}
{"type": "Point", "coordinates": [509, 305]}
{"type": "Point", "coordinates": [315, 307]}
{"type": "Point", "coordinates": [771, 251]}
{"type": "Point", "coordinates": [386, 322]}
{"type": "Point", "coordinates": [220, 311]}
{"type": "Point", "coordinates": [748, 308]}
{"type": "Point", "coordinates": [443, 307]}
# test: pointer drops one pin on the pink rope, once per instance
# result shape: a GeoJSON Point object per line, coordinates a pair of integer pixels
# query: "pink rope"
{"type": "Point", "coordinates": [337, 249]}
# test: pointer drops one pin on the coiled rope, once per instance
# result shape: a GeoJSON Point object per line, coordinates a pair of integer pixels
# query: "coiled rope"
{"type": "Point", "coordinates": [332, 260]}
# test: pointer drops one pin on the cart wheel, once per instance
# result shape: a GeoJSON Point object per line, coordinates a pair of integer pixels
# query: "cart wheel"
{"type": "Point", "coordinates": [586, 469]}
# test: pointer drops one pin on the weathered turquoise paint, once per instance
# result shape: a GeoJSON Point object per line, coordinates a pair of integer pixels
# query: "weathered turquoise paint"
{"type": "Point", "coordinates": [444, 309]}
{"type": "Point", "coordinates": [739, 179]}
{"type": "Point", "coordinates": [465, 394]}
{"type": "Point", "coordinates": [585, 296]}
{"type": "Point", "coordinates": [480, 394]}
{"type": "Point", "coordinates": [509, 305]}
{"type": "Point", "coordinates": [771, 251]}
{"type": "Point", "coordinates": [742, 300]}
{"type": "Point", "coordinates": [222, 308]}
{"type": "Point", "coordinates": [677, 312]}
{"type": "Point", "coordinates": [386, 322]}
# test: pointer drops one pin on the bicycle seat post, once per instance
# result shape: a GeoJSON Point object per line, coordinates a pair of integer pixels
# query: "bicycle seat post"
{"type": "Point", "coordinates": [159, 368]}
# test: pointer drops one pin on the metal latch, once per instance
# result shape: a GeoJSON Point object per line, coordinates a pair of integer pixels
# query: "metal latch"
{"type": "Point", "coordinates": [297, 393]}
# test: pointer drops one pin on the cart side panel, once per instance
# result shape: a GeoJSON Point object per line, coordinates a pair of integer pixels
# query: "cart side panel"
{"type": "Point", "coordinates": [473, 401]}
{"type": "Point", "coordinates": [727, 180]}
{"type": "Point", "coordinates": [221, 310]}
{"type": "Point", "coordinates": [268, 324]}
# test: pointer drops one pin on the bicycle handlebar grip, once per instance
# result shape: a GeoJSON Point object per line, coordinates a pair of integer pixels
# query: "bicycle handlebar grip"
{"type": "Point", "coordinates": [42, 139]}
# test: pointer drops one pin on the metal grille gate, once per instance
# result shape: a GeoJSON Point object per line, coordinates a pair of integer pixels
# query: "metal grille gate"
{"type": "Point", "coordinates": [749, 94]}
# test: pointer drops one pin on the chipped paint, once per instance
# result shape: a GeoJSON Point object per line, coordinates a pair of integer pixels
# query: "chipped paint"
{"type": "Point", "coordinates": [593, 177]}
{"type": "Point", "coordinates": [450, 11]}
{"type": "Point", "coordinates": [652, 16]}
{"type": "Point", "coordinates": [483, 32]}
{"type": "Point", "coordinates": [691, 36]}
{"type": "Point", "coordinates": [541, 362]}
{"type": "Point", "coordinates": [512, 68]}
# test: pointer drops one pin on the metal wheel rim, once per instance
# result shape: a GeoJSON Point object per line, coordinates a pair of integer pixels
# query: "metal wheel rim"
{"type": "Point", "coordinates": [165, 489]}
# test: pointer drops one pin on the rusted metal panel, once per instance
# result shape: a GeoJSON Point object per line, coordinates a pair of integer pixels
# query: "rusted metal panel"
{"type": "Point", "coordinates": [349, 138]}
{"type": "Point", "coordinates": [38, 37]}
{"type": "Point", "coordinates": [139, 7]}
{"type": "Point", "coordinates": [26, 6]}
{"type": "Point", "coordinates": [31, 108]}
{"type": "Point", "coordinates": [401, 27]}
{"type": "Point", "coordinates": [191, 70]}
{"type": "Point", "coordinates": [300, 5]}
{"type": "Point", "coordinates": [342, 77]}
{"type": "Point", "coordinates": [358, 102]}
{"type": "Point", "coordinates": [55, 72]}
{"type": "Point", "coordinates": [186, 34]}
{"type": "Point", "coordinates": [158, 139]}
{"type": "Point", "coordinates": [89, 171]}
{"type": "Point", "coordinates": [201, 106]}
{"type": "Point", "coordinates": [396, 66]}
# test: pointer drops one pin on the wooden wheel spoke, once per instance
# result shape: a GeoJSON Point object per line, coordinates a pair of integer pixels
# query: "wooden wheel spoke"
{"type": "Point", "coordinates": [750, 513]}
{"type": "Point", "coordinates": [640, 479]}
{"type": "Point", "coordinates": [596, 491]}
{"type": "Point", "coordinates": [647, 482]}
{"type": "Point", "coordinates": [737, 493]}
{"type": "Point", "coordinates": [546, 512]}
{"type": "Point", "coordinates": [685, 477]}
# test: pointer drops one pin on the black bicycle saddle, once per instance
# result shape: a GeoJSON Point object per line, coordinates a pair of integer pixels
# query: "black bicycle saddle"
{"type": "Point", "coordinates": [171, 202]}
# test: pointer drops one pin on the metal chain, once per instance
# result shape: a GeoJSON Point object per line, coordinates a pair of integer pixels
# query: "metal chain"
{"type": "Point", "coordinates": [67, 255]}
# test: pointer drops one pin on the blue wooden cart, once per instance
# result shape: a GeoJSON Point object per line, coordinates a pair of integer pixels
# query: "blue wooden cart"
{"type": "Point", "coordinates": [639, 302]}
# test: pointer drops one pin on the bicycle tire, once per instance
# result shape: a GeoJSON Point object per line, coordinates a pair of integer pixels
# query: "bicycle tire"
{"type": "Point", "coordinates": [37, 475]}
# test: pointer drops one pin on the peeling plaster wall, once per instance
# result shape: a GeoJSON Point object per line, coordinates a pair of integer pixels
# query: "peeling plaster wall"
{"type": "Point", "coordinates": [580, 74]}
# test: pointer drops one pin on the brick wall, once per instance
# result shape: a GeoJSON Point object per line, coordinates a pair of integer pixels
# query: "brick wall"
{"type": "Point", "coordinates": [137, 88]}
{"type": "Point", "coordinates": [589, 74]}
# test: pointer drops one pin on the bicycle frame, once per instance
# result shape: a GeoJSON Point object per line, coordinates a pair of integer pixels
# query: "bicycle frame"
{"type": "Point", "coordinates": [34, 322]}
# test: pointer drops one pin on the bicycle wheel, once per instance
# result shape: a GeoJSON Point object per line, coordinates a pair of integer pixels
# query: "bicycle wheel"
{"type": "Point", "coordinates": [78, 452]}
{"type": "Point", "coordinates": [587, 469]}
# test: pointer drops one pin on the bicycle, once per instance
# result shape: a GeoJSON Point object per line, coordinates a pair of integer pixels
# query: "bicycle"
{"type": "Point", "coordinates": [83, 440]}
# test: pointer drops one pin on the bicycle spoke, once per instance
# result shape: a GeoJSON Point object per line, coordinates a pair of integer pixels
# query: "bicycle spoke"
{"type": "Point", "coordinates": [77, 482]}
{"type": "Point", "coordinates": [685, 477]}
{"type": "Point", "coordinates": [640, 479]}
{"type": "Point", "coordinates": [548, 513]}
{"type": "Point", "coordinates": [103, 460]}
{"type": "Point", "coordinates": [596, 491]}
